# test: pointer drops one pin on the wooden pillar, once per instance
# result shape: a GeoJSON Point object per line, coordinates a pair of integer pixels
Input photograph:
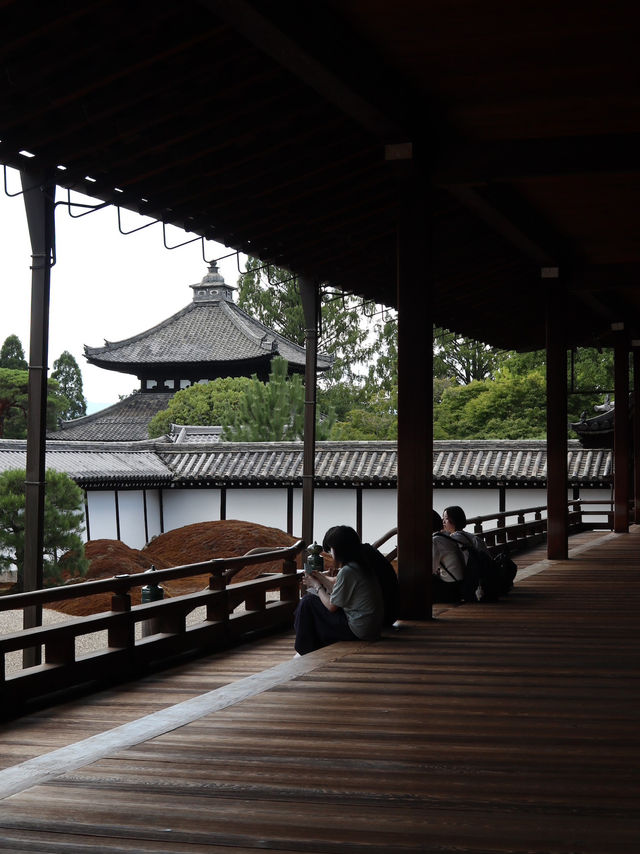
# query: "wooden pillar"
{"type": "Point", "coordinates": [415, 409]}
{"type": "Point", "coordinates": [311, 307]}
{"type": "Point", "coordinates": [557, 512]}
{"type": "Point", "coordinates": [621, 435]}
{"type": "Point", "coordinates": [635, 423]}
{"type": "Point", "coordinates": [39, 199]}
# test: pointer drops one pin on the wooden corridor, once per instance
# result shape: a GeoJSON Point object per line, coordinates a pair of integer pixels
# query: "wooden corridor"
{"type": "Point", "coordinates": [497, 728]}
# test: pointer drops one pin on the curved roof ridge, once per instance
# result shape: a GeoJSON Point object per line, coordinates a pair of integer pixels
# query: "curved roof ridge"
{"type": "Point", "coordinates": [244, 320]}
{"type": "Point", "coordinates": [109, 346]}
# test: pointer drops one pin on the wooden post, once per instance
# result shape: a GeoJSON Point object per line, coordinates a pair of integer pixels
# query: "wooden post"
{"type": "Point", "coordinates": [39, 198]}
{"type": "Point", "coordinates": [621, 435]}
{"type": "Point", "coordinates": [415, 409]}
{"type": "Point", "coordinates": [311, 307]}
{"type": "Point", "coordinates": [635, 423]}
{"type": "Point", "coordinates": [557, 512]}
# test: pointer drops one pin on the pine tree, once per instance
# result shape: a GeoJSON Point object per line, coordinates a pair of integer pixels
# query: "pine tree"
{"type": "Point", "coordinates": [63, 520]}
{"type": "Point", "coordinates": [273, 411]}
{"type": "Point", "coordinates": [66, 372]}
{"type": "Point", "coordinates": [12, 354]}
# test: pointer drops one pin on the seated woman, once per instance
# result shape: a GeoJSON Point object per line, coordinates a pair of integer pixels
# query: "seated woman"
{"type": "Point", "coordinates": [454, 520]}
{"type": "Point", "coordinates": [447, 564]}
{"type": "Point", "coordinates": [347, 607]}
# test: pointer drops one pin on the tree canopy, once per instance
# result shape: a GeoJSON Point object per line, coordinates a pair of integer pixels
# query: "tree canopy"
{"type": "Point", "coordinates": [63, 523]}
{"type": "Point", "coordinates": [271, 294]}
{"type": "Point", "coordinates": [206, 404]}
{"type": "Point", "coordinates": [66, 372]}
{"type": "Point", "coordinates": [12, 354]}
{"type": "Point", "coordinates": [273, 411]}
{"type": "Point", "coordinates": [13, 403]}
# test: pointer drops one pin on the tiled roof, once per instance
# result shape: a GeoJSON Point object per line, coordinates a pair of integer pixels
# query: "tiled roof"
{"type": "Point", "coordinates": [194, 435]}
{"type": "Point", "coordinates": [210, 332]}
{"type": "Point", "coordinates": [372, 464]}
{"type": "Point", "coordinates": [125, 421]}
{"type": "Point", "coordinates": [486, 461]}
{"type": "Point", "coordinates": [95, 464]}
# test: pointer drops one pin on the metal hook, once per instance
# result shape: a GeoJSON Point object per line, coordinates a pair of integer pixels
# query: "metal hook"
{"type": "Point", "coordinates": [20, 192]}
{"type": "Point", "coordinates": [214, 260]}
{"type": "Point", "coordinates": [133, 230]}
{"type": "Point", "coordinates": [69, 204]}
{"type": "Point", "coordinates": [178, 245]}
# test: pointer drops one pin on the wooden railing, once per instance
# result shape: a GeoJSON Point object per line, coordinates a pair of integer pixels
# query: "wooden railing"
{"type": "Point", "coordinates": [529, 529]}
{"type": "Point", "coordinates": [126, 653]}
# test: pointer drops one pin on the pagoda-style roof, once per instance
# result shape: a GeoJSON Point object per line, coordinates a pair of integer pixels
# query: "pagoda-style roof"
{"type": "Point", "coordinates": [124, 421]}
{"type": "Point", "coordinates": [210, 338]}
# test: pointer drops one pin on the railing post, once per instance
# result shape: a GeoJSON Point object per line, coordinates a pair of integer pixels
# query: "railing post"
{"type": "Point", "coordinates": [218, 610]}
{"type": "Point", "coordinates": [123, 633]}
{"type": "Point", "coordinates": [289, 589]}
{"type": "Point", "coordinates": [61, 650]}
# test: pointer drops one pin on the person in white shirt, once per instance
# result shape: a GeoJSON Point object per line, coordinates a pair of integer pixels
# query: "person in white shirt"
{"type": "Point", "coordinates": [447, 564]}
{"type": "Point", "coordinates": [454, 520]}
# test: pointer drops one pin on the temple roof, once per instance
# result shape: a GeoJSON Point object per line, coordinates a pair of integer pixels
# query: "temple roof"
{"type": "Point", "coordinates": [209, 338]}
{"type": "Point", "coordinates": [124, 421]}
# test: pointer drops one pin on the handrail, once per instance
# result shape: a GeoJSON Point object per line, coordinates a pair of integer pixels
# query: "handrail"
{"type": "Point", "coordinates": [122, 584]}
{"type": "Point", "coordinates": [523, 532]}
{"type": "Point", "coordinates": [126, 655]}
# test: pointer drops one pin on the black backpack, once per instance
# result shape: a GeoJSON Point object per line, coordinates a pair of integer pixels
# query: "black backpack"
{"type": "Point", "coordinates": [486, 579]}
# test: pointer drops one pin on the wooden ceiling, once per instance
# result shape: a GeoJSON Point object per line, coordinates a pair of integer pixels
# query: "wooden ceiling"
{"type": "Point", "coordinates": [264, 125]}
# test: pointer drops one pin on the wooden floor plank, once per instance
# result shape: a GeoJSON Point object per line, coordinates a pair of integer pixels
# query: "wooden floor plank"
{"type": "Point", "coordinates": [502, 728]}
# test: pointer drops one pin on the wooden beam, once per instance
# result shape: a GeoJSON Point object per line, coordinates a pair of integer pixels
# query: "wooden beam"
{"type": "Point", "coordinates": [267, 35]}
{"type": "Point", "coordinates": [521, 159]}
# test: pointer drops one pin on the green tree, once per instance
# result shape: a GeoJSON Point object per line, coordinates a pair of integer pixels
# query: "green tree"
{"type": "Point", "coordinates": [63, 522]}
{"type": "Point", "coordinates": [273, 297]}
{"type": "Point", "coordinates": [14, 399]}
{"type": "Point", "coordinates": [274, 411]}
{"type": "Point", "coordinates": [510, 407]}
{"type": "Point", "coordinates": [66, 372]}
{"type": "Point", "coordinates": [12, 354]}
{"type": "Point", "coordinates": [462, 359]}
{"type": "Point", "coordinates": [207, 404]}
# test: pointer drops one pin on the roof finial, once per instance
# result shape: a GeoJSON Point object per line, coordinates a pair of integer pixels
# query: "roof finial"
{"type": "Point", "coordinates": [212, 287]}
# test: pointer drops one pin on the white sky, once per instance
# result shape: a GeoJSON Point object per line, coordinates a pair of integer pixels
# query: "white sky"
{"type": "Point", "coordinates": [103, 285]}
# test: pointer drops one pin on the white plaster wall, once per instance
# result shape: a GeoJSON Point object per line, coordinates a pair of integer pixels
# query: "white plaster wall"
{"type": "Point", "coordinates": [333, 507]}
{"type": "Point", "coordinates": [263, 506]}
{"type": "Point", "coordinates": [297, 513]}
{"type": "Point", "coordinates": [102, 515]}
{"type": "Point", "coordinates": [474, 502]}
{"type": "Point", "coordinates": [516, 499]}
{"type": "Point", "coordinates": [188, 506]}
{"type": "Point", "coordinates": [153, 513]}
{"type": "Point", "coordinates": [269, 507]}
{"type": "Point", "coordinates": [131, 512]}
{"type": "Point", "coordinates": [379, 515]}
{"type": "Point", "coordinates": [603, 495]}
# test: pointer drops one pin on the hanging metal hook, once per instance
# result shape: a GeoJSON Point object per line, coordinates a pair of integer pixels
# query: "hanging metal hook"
{"type": "Point", "coordinates": [20, 192]}
{"type": "Point", "coordinates": [178, 245]}
{"type": "Point", "coordinates": [133, 230]}
{"type": "Point", "coordinates": [92, 208]}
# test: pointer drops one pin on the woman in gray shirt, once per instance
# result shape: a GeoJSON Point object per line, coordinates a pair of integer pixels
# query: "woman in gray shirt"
{"type": "Point", "coordinates": [347, 607]}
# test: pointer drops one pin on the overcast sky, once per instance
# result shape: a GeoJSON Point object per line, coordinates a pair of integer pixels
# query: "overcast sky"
{"type": "Point", "coordinates": [103, 285]}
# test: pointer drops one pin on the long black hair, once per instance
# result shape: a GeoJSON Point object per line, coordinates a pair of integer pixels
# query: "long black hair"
{"type": "Point", "coordinates": [346, 545]}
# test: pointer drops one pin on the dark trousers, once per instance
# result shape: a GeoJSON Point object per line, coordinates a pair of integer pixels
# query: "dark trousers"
{"type": "Point", "coordinates": [317, 627]}
{"type": "Point", "coordinates": [444, 591]}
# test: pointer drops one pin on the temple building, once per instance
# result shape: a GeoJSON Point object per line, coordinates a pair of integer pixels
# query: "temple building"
{"type": "Point", "coordinates": [209, 338]}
